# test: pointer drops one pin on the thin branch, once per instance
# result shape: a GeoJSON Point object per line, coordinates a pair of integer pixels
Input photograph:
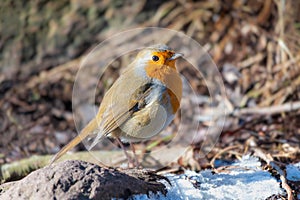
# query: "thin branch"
{"type": "Point", "coordinates": [271, 110]}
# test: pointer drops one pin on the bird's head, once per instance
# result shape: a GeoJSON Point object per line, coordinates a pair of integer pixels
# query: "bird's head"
{"type": "Point", "coordinates": [158, 55]}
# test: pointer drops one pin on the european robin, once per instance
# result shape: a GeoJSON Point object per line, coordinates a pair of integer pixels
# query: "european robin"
{"type": "Point", "coordinates": [140, 103]}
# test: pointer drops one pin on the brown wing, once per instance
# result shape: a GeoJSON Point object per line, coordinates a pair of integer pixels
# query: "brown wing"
{"type": "Point", "coordinates": [120, 102]}
{"type": "Point", "coordinates": [124, 98]}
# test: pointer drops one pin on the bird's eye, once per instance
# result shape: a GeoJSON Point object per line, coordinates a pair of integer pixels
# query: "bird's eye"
{"type": "Point", "coordinates": [155, 58]}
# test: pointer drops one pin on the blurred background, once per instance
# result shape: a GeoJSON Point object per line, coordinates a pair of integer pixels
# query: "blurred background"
{"type": "Point", "coordinates": [255, 45]}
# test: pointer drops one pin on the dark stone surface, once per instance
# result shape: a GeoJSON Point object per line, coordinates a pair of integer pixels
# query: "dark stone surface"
{"type": "Point", "coordinates": [82, 180]}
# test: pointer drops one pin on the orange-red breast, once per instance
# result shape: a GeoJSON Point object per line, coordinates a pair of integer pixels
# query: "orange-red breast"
{"type": "Point", "coordinates": [141, 102]}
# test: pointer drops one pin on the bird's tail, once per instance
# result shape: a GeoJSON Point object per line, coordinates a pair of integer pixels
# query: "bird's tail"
{"type": "Point", "coordinates": [90, 128]}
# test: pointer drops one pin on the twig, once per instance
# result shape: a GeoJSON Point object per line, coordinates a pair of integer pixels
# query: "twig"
{"type": "Point", "coordinates": [221, 152]}
{"type": "Point", "coordinates": [269, 160]}
{"type": "Point", "coordinates": [286, 187]}
{"type": "Point", "coordinates": [271, 110]}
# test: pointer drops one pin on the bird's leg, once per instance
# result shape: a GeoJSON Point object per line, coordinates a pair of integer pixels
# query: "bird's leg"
{"type": "Point", "coordinates": [136, 163]}
{"type": "Point", "coordinates": [130, 161]}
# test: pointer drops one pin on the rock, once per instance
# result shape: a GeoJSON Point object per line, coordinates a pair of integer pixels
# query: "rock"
{"type": "Point", "coordinates": [82, 180]}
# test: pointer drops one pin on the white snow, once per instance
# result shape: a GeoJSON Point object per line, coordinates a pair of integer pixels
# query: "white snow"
{"type": "Point", "coordinates": [242, 180]}
{"type": "Point", "coordinates": [293, 172]}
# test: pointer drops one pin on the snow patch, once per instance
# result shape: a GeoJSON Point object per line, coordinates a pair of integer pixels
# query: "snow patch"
{"type": "Point", "coordinates": [242, 180]}
{"type": "Point", "coordinates": [293, 172]}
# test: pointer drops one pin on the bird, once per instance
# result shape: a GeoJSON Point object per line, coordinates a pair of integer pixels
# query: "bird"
{"type": "Point", "coordinates": [141, 102]}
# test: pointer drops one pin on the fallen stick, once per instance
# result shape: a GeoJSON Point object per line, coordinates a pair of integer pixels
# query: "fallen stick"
{"type": "Point", "coordinates": [271, 110]}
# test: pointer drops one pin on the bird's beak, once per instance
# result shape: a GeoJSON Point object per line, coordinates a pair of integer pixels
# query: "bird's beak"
{"type": "Point", "coordinates": [175, 56]}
